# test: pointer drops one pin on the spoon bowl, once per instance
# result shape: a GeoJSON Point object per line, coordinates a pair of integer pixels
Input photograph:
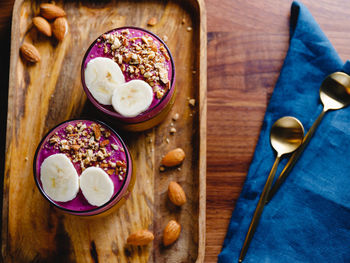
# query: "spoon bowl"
{"type": "Point", "coordinates": [286, 135]}
{"type": "Point", "coordinates": [335, 91]}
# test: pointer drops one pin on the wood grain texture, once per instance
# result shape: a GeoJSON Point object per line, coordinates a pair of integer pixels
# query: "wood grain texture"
{"type": "Point", "coordinates": [45, 94]}
{"type": "Point", "coordinates": [247, 43]}
{"type": "Point", "coordinates": [231, 142]}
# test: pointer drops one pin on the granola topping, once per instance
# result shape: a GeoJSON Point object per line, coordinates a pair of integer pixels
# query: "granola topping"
{"type": "Point", "coordinates": [139, 57]}
{"type": "Point", "coordinates": [89, 145]}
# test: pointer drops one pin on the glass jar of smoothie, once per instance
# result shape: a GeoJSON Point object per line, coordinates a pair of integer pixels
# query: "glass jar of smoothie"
{"type": "Point", "coordinates": [83, 167]}
{"type": "Point", "coordinates": [128, 74]}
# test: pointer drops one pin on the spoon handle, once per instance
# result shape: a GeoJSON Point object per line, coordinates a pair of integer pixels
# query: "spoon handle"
{"type": "Point", "coordinates": [258, 210]}
{"type": "Point", "coordinates": [295, 156]}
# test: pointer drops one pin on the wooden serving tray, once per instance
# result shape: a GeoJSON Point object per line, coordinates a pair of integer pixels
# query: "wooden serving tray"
{"type": "Point", "coordinates": [45, 94]}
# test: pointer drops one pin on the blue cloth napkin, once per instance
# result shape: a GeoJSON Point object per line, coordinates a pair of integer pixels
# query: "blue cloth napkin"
{"type": "Point", "coordinates": [308, 220]}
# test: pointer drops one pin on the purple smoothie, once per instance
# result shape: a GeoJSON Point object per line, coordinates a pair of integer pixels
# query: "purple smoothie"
{"type": "Point", "coordinates": [101, 48]}
{"type": "Point", "coordinates": [108, 153]}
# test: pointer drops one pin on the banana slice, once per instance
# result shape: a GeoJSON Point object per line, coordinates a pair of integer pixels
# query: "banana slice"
{"type": "Point", "coordinates": [96, 185]}
{"type": "Point", "coordinates": [102, 75]}
{"type": "Point", "coordinates": [132, 98]}
{"type": "Point", "coordinates": [59, 178]}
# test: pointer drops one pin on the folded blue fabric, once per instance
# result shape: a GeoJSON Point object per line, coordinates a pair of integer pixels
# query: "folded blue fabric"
{"type": "Point", "coordinates": [308, 220]}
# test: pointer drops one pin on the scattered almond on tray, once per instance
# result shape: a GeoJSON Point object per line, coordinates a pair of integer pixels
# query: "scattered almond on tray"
{"type": "Point", "coordinates": [174, 158]}
{"type": "Point", "coordinates": [140, 238]}
{"type": "Point", "coordinates": [42, 25]}
{"type": "Point", "coordinates": [30, 53]}
{"type": "Point", "coordinates": [58, 28]}
{"type": "Point", "coordinates": [51, 11]}
{"type": "Point", "coordinates": [176, 194]}
{"type": "Point", "coordinates": [171, 232]}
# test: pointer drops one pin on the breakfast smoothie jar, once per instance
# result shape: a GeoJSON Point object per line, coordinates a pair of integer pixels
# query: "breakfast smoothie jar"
{"type": "Point", "coordinates": [83, 167]}
{"type": "Point", "coordinates": [128, 74]}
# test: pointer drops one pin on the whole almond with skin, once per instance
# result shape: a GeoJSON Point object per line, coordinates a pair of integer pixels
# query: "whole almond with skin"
{"type": "Point", "coordinates": [173, 158]}
{"type": "Point", "coordinates": [60, 28]}
{"type": "Point", "coordinates": [42, 25]}
{"type": "Point", "coordinates": [30, 53]}
{"type": "Point", "coordinates": [140, 238]}
{"type": "Point", "coordinates": [50, 11]}
{"type": "Point", "coordinates": [171, 232]}
{"type": "Point", "coordinates": [176, 194]}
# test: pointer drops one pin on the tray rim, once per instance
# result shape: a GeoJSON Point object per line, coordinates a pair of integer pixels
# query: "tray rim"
{"type": "Point", "coordinates": [202, 106]}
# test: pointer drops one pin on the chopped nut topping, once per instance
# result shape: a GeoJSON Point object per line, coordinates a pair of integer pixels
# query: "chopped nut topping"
{"type": "Point", "coordinates": [104, 165]}
{"type": "Point", "coordinates": [69, 128]}
{"type": "Point", "coordinates": [115, 147]}
{"type": "Point", "coordinates": [126, 32]}
{"type": "Point", "coordinates": [152, 21]}
{"type": "Point", "coordinates": [64, 145]}
{"type": "Point", "coordinates": [159, 94]}
{"type": "Point", "coordinates": [54, 139]}
{"type": "Point", "coordinates": [165, 53]}
{"type": "Point", "coordinates": [176, 117]}
{"type": "Point", "coordinates": [172, 130]}
{"type": "Point", "coordinates": [110, 171]}
{"type": "Point", "coordinates": [121, 164]}
{"type": "Point", "coordinates": [97, 131]}
{"type": "Point", "coordinates": [192, 102]}
{"type": "Point", "coordinates": [140, 57]}
{"type": "Point", "coordinates": [75, 147]}
{"type": "Point", "coordinates": [104, 143]}
{"type": "Point", "coordinates": [189, 29]}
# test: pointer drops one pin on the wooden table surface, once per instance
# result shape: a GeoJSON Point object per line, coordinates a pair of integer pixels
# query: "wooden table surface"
{"type": "Point", "coordinates": [247, 42]}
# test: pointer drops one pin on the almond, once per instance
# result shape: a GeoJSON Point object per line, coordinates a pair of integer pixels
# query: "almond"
{"type": "Point", "coordinates": [176, 194]}
{"type": "Point", "coordinates": [60, 28]}
{"type": "Point", "coordinates": [152, 21]}
{"type": "Point", "coordinates": [171, 232]}
{"type": "Point", "coordinates": [30, 53]}
{"type": "Point", "coordinates": [50, 11]}
{"type": "Point", "coordinates": [42, 25]}
{"type": "Point", "coordinates": [140, 238]}
{"type": "Point", "coordinates": [75, 147]}
{"type": "Point", "coordinates": [173, 158]}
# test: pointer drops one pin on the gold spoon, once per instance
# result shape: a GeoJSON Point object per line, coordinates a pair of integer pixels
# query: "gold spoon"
{"type": "Point", "coordinates": [286, 136]}
{"type": "Point", "coordinates": [334, 94]}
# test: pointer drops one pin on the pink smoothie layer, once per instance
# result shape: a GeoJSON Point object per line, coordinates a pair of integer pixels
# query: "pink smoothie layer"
{"type": "Point", "coordinates": [98, 50]}
{"type": "Point", "coordinates": [47, 148]}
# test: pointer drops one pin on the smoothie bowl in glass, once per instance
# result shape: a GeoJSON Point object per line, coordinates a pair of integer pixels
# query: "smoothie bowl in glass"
{"type": "Point", "coordinates": [128, 74]}
{"type": "Point", "coordinates": [83, 167]}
